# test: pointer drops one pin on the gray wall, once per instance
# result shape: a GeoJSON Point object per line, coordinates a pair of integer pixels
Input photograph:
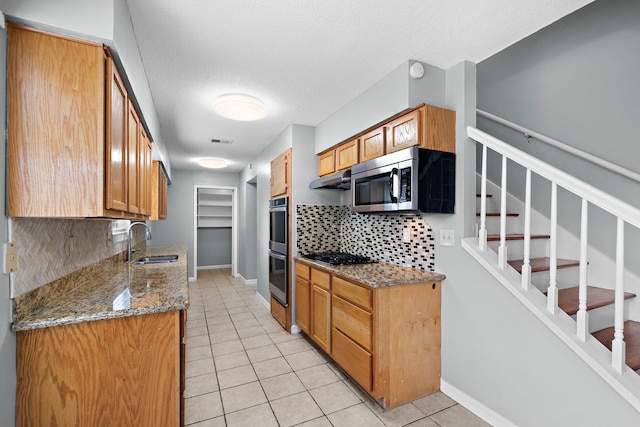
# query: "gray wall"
{"type": "Point", "coordinates": [214, 246]}
{"type": "Point", "coordinates": [178, 227]}
{"type": "Point", "coordinates": [575, 81]}
{"type": "Point", "coordinates": [255, 197]}
{"type": "Point", "coordinates": [259, 171]}
{"type": "Point", "coordinates": [248, 217]}
{"type": "Point", "coordinates": [7, 337]}
{"type": "Point", "coordinates": [493, 349]}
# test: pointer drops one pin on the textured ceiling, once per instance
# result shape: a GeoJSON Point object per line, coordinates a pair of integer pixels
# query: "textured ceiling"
{"type": "Point", "coordinates": [304, 58]}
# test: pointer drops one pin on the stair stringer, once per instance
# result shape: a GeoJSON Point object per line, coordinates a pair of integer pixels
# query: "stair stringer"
{"type": "Point", "coordinates": [601, 268]}
{"type": "Point", "coordinates": [591, 351]}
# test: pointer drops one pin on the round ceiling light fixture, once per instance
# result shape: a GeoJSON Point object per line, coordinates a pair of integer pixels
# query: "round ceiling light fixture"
{"type": "Point", "coordinates": [236, 106]}
{"type": "Point", "coordinates": [213, 163]}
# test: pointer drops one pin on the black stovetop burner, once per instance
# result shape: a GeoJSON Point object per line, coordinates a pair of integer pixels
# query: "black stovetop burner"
{"type": "Point", "coordinates": [339, 258]}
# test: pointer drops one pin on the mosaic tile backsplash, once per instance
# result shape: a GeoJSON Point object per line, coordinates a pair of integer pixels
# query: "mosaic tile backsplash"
{"type": "Point", "coordinates": [49, 249]}
{"type": "Point", "coordinates": [335, 228]}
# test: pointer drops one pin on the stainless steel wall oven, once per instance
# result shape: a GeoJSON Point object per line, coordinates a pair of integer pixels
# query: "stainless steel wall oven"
{"type": "Point", "coordinates": [279, 249]}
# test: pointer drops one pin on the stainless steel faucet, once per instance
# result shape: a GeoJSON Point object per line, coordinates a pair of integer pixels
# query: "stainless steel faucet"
{"type": "Point", "coordinates": [147, 236]}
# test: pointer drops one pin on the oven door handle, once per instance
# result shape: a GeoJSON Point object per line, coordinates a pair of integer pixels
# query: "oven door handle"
{"type": "Point", "coordinates": [394, 185]}
{"type": "Point", "coordinates": [277, 255]}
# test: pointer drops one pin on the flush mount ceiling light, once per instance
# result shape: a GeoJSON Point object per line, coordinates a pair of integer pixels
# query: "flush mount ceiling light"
{"type": "Point", "coordinates": [213, 163]}
{"type": "Point", "coordinates": [236, 106]}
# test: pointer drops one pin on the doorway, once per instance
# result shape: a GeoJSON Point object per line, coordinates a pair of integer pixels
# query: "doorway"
{"type": "Point", "coordinates": [215, 228]}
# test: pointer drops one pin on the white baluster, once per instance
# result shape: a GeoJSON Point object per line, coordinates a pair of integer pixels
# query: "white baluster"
{"type": "Point", "coordinates": [526, 266]}
{"type": "Point", "coordinates": [482, 235]}
{"type": "Point", "coordinates": [552, 291]}
{"type": "Point", "coordinates": [583, 315]}
{"type": "Point", "coordinates": [618, 345]}
{"type": "Point", "coordinates": [502, 249]}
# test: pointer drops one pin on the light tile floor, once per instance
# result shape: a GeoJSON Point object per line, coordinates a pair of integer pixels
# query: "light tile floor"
{"type": "Point", "coordinates": [244, 369]}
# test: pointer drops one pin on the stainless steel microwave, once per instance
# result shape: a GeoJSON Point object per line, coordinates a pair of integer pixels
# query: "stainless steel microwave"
{"type": "Point", "coordinates": [410, 180]}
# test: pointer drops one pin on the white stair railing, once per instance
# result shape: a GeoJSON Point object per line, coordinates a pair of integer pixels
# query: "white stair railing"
{"type": "Point", "coordinates": [625, 214]}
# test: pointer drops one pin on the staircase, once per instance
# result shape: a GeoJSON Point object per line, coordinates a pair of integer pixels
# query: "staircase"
{"type": "Point", "coordinates": [546, 267]}
{"type": "Point", "coordinates": [568, 297]}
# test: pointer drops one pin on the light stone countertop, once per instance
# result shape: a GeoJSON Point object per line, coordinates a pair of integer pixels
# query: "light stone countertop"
{"type": "Point", "coordinates": [109, 289]}
{"type": "Point", "coordinates": [378, 274]}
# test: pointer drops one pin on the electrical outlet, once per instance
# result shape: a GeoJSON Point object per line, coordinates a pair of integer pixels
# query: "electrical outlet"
{"type": "Point", "coordinates": [406, 235]}
{"type": "Point", "coordinates": [447, 238]}
{"type": "Point", "coordinates": [9, 258]}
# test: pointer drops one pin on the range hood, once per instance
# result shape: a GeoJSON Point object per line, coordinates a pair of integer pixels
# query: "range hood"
{"type": "Point", "coordinates": [339, 181]}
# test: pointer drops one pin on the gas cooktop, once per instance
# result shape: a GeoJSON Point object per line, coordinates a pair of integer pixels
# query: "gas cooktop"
{"type": "Point", "coordinates": [339, 258]}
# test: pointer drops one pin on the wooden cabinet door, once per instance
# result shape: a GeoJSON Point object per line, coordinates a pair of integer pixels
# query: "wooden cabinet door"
{"type": "Point", "coordinates": [116, 141]}
{"type": "Point", "coordinates": [116, 372]}
{"type": "Point", "coordinates": [280, 174]}
{"type": "Point", "coordinates": [133, 158]}
{"type": "Point", "coordinates": [372, 144]}
{"type": "Point", "coordinates": [321, 317]}
{"type": "Point", "coordinates": [163, 197]}
{"type": "Point", "coordinates": [158, 192]}
{"type": "Point", "coordinates": [144, 189]}
{"type": "Point", "coordinates": [403, 132]}
{"type": "Point", "coordinates": [439, 129]}
{"type": "Point", "coordinates": [347, 154]}
{"type": "Point", "coordinates": [327, 163]}
{"type": "Point", "coordinates": [55, 125]}
{"type": "Point", "coordinates": [303, 299]}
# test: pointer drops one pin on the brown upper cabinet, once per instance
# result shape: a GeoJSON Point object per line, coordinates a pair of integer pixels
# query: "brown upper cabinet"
{"type": "Point", "coordinates": [339, 158]}
{"type": "Point", "coordinates": [281, 175]}
{"type": "Point", "coordinates": [428, 126]}
{"type": "Point", "coordinates": [159, 186]}
{"type": "Point", "coordinates": [347, 154]}
{"type": "Point", "coordinates": [372, 144]}
{"type": "Point", "coordinates": [425, 125]}
{"type": "Point", "coordinates": [68, 151]}
{"type": "Point", "coordinates": [327, 163]}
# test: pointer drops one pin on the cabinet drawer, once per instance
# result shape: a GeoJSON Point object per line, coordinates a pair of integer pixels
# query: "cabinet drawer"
{"type": "Point", "coordinates": [355, 360]}
{"type": "Point", "coordinates": [359, 295]}
{"type": "Point", "coordinates": [302, 270]}
{"type": "Point", "coordinates": [320, 278]}
{"type": "Point", "coordinates": [353, 321]}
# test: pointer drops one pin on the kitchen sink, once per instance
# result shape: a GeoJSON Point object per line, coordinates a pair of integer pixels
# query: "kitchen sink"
{"type": "Point", "coordinates": [157, 259]}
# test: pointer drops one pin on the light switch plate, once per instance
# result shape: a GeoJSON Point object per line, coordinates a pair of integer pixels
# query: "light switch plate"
{"type": "Point", "coordinates": [447, 238]}
{"type": "Point", "coordinates": [9, 258]}
{"type": "Point", "coordinates": [406, 235]}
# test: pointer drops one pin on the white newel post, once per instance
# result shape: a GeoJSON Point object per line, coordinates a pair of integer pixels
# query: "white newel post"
{"type": "Point", "coordinates": [482, 235]}
{"type": "Point", "coordinates": [583, 315]}
{"type": "Point", "coordinates": [618, 345]}
{"type": "Point", "coordinates": [526, 265]}
{"type": "Point", "coordinates": [502, 249]}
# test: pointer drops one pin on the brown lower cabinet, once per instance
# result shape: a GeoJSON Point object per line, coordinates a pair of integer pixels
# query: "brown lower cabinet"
{"type": "Point", "coordinates": [386, 338]}
{"type": "Point", "coordinates": [119, 372]}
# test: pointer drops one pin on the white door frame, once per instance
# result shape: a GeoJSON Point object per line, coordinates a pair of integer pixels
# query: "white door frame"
{"type": "Point", "coordinates": [234, 227]}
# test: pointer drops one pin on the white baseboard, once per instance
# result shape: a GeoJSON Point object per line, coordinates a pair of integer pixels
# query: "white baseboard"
{"type": "Point", "coordinates": [213, 267]}
{"type": "Point", "coordinates": [482, 411]}
{"type": "Point", "coordinates": [248, 281]}
{"type": "Point", "coordinates": [192, 279]}
{"type": "Point", "coordinates": [263, 301]}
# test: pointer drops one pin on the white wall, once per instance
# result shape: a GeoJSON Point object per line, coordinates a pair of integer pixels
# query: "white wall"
{"type": "Point", "coordinates": [7, 336]}
{"type": "Point", "coordinates": [178, 227]}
